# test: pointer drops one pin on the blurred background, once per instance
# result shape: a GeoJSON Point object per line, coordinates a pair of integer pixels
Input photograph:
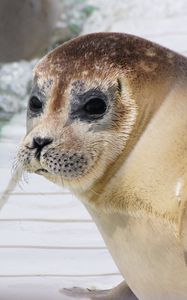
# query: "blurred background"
{"type": "Point", "coordinates": [47, 239]}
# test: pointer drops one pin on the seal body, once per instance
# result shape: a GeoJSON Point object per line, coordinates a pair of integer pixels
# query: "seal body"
{"type": "Point", "coordinates": [146, 242]}
{"type": "Point", "coordinates": [107, 118]}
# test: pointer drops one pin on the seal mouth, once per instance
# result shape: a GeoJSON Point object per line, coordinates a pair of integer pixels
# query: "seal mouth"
{"type": "Point", "coordinates": [39, 171]}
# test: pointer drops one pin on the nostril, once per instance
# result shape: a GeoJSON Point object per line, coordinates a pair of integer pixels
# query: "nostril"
{"type": "Point", "coordinates": [39, 142]}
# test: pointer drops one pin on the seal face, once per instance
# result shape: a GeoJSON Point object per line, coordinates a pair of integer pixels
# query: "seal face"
{"type": "Point", "coordinates": [78, 101]}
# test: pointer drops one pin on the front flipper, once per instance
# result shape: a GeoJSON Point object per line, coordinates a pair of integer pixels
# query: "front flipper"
{"type": "Point", "coordinates": [121, 292]}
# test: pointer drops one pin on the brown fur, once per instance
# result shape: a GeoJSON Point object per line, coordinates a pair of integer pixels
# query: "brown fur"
{"type": "Point", "coordinates": [110, 52]}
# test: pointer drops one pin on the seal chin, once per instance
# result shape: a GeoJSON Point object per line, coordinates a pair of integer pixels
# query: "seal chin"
{"type": "Point", "coordinates": [67, 164]}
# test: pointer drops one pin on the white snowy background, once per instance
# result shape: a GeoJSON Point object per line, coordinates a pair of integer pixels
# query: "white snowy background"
{"type": "Point", "coordinates": [47, 239]}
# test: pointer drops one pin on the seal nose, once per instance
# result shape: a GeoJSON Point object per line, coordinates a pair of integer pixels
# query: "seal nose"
{"type": "Point", "coordinates": [39, 143]}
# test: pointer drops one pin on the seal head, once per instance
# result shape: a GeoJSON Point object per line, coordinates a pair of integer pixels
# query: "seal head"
{"type": "Point", "coordinates": [89, 105]}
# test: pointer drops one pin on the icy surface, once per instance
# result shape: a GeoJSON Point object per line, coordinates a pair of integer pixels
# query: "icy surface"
{"type": "Point", "coordinates": [15, 83]}
{"type": "Point", "coordinates": [123, 10]}
{"type": "Point", "coordinates": [160, 21]}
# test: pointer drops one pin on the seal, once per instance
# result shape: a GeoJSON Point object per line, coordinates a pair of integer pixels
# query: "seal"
{"type": "Point", "coordinates": [107, 119]}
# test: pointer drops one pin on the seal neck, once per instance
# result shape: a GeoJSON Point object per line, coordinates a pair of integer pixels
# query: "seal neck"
{"type": "Point", "coordinates": [148, 100]}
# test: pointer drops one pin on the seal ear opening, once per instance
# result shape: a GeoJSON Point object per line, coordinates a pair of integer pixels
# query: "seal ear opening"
{"type": "Point", "coordinates": [119, 86]}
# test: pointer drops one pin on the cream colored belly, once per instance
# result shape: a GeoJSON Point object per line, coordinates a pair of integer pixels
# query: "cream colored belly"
{"type": "Point", "coordinates": [148, 255]}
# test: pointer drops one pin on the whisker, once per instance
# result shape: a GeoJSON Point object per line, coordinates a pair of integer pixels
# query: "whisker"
{"type": "Point", "coordinates": [14, 165]}
{"type": "Point", "coordinates": [21, 182]}
{"type": "Point", "coordinates": [62, 181]}
{"type": "Point", "coordinates": [15, 178]}
{"type": "Point", "coordinates": [25, 177]}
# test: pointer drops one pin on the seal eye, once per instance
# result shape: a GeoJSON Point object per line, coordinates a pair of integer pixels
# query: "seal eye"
{"type": "Point", "coordinates": [95, 106]}
{"type": "Point", "coordinates": [35, 104]}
